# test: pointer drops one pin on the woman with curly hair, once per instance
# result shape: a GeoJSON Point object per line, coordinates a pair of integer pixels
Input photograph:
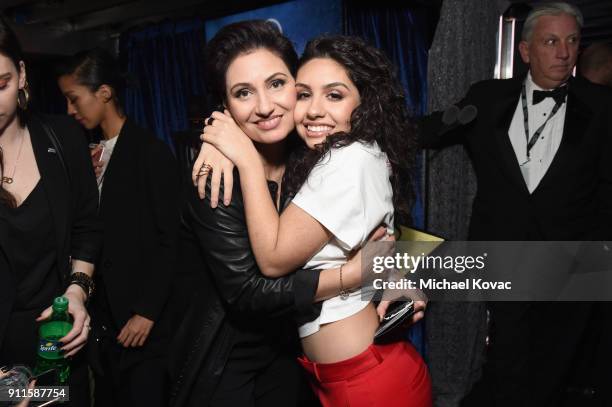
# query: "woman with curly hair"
{"type": "Point", "coordinates": [350, 113]}
{"type": "Point", "coordinates": [237, 345]}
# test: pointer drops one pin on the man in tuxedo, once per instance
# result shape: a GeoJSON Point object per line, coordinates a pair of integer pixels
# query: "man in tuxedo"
{"type": "Point", "coordinates": [541, 147]}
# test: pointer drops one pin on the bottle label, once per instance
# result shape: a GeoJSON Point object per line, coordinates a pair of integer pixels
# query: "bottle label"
{"type": "Point", "coordinates": [50, 349]}
{"type": "Point", "coordinates": [50, 334]}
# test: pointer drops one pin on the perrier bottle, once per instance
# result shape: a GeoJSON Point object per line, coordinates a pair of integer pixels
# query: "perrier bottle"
{"type": "Point", "coordinates": [49, 354]}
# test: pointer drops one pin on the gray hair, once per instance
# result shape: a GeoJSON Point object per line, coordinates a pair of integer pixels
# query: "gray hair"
{"type": "Point", "coordinates": [549, 9]}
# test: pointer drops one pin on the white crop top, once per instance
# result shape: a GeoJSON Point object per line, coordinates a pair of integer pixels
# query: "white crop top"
{"type": "Point", "coordinates": [348, 192]}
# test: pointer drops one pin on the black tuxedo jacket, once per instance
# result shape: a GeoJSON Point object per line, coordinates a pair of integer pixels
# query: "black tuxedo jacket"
{"type": "Point", "coordinates": [574, 198]}
{"type": "Point", "coordinates": [73, 200]}
{"type": "Point", "coordinates": [139, 208]}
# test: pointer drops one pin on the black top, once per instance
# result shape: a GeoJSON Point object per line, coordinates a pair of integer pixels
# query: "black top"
{"type": "Point", "coordinates": [33, 254]}
{"type": "Point", "coordinates": [68, 187]}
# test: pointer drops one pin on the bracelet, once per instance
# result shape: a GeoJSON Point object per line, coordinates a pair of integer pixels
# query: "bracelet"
{"type": "Point", "coordinates": [343, 293]}
{"type": "Point", "coordinates": [84, 281]}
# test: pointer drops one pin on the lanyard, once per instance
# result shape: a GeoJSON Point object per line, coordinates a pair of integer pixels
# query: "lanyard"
{"type": "Point", "coordinates": [532, 141]}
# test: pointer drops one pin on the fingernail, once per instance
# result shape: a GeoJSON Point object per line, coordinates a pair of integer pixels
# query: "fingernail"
{"type": "Point", "coordinates": [226, 203]}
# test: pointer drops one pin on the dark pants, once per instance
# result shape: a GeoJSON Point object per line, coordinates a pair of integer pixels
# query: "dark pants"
{"type": "Point", "coordinates": [144, 383]}
{"type": "Point", "coordinates": [534, 352]}
{"type": "Point", "coordinates": [255, 376]}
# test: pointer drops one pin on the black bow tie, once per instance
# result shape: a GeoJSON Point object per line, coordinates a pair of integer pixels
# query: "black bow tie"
{"type": "Point", "coordinates": [558, 94]}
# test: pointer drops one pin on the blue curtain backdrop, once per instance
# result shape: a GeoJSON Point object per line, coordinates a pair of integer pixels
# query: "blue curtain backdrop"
{"type": "Point", "coordinates": [166, 59]}
{"type": "Point", "coordinates": [166, 63]}
{"type": "Point", "coordinates": [402, 33]}
{"type": "Point", "coordinates": [299, 20]}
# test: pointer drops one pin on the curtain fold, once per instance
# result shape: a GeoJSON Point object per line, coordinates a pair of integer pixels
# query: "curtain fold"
{"type": "Point", "coordinates": [463, 52]}
{"type": "Point", "coordinates": [401, 32]}
{"type": "Point", "coordinates": [164, 63]}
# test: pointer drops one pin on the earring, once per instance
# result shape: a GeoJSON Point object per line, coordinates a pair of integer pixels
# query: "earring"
{"type": "Point", "coordinates": [23, 97]}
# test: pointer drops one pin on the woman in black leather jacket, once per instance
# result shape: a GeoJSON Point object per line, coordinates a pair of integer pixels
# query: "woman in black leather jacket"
{"type": "Point", "coordinates": [232, 348]}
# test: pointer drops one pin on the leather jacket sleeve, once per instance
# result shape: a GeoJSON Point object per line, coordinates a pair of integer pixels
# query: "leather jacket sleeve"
{"type": "Point", "coordinates": [223, 238]}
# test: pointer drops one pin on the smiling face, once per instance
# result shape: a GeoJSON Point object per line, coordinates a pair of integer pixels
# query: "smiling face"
{"type": "Point", "coordinates": [326, 100]}
{"type": "Point", "coordinates": [11, 80]}
{"type": "Point", "coordinates": [83, 105]}
{"type": "Point", "coordinates": [552, 50]}
{"type": "Point", "coordinates": [260, 95]}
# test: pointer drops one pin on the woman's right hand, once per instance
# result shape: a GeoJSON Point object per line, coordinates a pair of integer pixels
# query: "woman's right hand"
{"type": "Point", "coordinates": [76, 339]}
{"type": "Point", "coordinates": [219, 166]}
{"type": "Point", "coordinates": [96, 162]}
{"type": "Point", "coordinates": [351, 271]}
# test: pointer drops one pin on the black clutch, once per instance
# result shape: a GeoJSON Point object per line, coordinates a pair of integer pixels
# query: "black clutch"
{"type": "Point", "coordinates": [396, 314]}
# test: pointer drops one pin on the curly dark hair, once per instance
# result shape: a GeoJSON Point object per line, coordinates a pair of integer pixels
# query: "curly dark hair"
{"type": "Point", "coordinates": [241, 38]}
{"type": "Point", "coordinates": [382, 116]}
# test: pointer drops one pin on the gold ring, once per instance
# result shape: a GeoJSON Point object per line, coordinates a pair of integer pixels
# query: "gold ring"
{"type": "Point", "coordinates": [205, 169]}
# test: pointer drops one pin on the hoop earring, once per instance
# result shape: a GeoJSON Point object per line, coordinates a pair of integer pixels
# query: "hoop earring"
{"type": "Point", "coordinates": [23, 97]}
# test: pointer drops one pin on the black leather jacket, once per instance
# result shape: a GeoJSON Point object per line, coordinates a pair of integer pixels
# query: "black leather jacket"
{"type": "Point", "coordinates": [232, 291]}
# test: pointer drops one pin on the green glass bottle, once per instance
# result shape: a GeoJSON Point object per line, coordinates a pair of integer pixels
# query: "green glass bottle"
{"type": "Point", "coordinates": [49, 354]}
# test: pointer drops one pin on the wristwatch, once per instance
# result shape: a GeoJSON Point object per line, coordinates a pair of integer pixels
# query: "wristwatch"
{"type": "Point", "coordinates": [84, 281]}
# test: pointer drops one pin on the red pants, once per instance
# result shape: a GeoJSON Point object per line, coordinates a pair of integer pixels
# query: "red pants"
{"type": "Point", "coordinates": [390, 375]}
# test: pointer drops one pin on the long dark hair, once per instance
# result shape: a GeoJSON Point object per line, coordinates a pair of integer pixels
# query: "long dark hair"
{"type": "Point", "coordinates": [242, 38]}
{"type": "Point", "coordinates": [10, 48]}
{"type": "Point", "coordinates": [381, 117]}
{"type": "Point", "coordinates": [94, 68]}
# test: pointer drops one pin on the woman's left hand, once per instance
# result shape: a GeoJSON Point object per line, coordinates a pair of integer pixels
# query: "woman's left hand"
{"type": "Point", "coordinates": [77, 337]}
{"type": "Point", "coordinates": [419, 310]}
{"type": "Point", "coordinates": [135, 331]}
{"type": "Point", "coordinates": [228, 138]}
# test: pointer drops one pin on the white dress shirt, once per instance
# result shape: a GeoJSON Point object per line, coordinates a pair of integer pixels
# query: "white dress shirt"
{"type": "Point", "coordinates": [543, 152]}
{"type": "Point", "coordinates": [109, 146]}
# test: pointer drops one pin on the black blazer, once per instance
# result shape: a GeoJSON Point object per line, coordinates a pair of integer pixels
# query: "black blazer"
{"type": "Point", "coordinates": [73, 200]}
{"type": "Point", "coordinates": [574, 198]}
{"type": "Point", "coordinates": [139, 207]}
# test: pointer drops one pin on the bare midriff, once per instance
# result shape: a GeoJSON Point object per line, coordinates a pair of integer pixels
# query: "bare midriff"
{"type": "Point", "coordinates": [341, 340]}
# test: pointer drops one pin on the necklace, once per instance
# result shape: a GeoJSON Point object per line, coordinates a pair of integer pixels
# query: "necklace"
{"type": "Point", "coordinates": [9, 180]}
